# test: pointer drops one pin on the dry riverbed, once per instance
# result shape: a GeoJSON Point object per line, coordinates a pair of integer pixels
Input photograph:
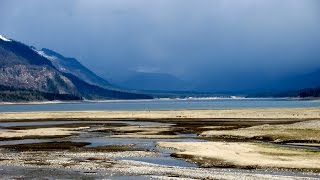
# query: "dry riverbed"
{"type": "Point", "coordinates": [193, 144]}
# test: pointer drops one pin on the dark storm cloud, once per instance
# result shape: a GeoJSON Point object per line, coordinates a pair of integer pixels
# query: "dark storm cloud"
{"type": "Point", "coordinates": [208, 39]}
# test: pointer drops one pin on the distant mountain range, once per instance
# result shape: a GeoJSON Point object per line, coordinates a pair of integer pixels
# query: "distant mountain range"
{"type": "Point", "coordinates": [300, 84]}
{"type": "Point", "coordinates": [153, 81]}
{"type": "Point", "coordinates": [166, 85]}
{"type": "Point", "coordinates": [29, 74]}
{"type": "Point", "coordinates": [301, 80]}
{"type": "Point", "coordinates": [27, 69]}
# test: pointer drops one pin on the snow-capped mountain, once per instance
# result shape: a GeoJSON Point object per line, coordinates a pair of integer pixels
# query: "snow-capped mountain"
{"type": "Point", "coordinates": [23, 68]}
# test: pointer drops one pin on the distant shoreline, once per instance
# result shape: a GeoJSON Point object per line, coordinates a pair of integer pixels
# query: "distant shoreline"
{"type": "Point", "coordinates": [245, 113]}
{"type": "Point", "coordinates": [158, 99]}
{"type": "Point", "coordinates": [38, 102]}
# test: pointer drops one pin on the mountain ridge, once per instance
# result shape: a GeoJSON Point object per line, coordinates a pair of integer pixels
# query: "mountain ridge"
{"type": "Point", "coordinates": [22, 67]}
{"type": "Point", "coordinates": [146, 81]}
{"type": "Point", "coordinates": [73, 66]}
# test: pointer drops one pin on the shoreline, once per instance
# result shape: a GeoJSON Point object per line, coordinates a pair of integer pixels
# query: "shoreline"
{"type": "Point", "coordinates": [159, 99]}
{"type": "Point", "coordinates": [38, 102]}
{"type": "Point", "coordinates": [249, 113]}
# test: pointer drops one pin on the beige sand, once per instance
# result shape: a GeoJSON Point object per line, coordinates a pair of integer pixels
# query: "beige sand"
{"type": "Point", "coordinates": [273, 113]}
{"type": "Point", "coordinates": [307, 130]}
{"type": "Point", "coordinates": [246, 154]}
{"type": "Point", "coordinates": [39, 132]}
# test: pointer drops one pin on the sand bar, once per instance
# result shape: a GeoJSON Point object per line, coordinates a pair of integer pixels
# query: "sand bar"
{"type": "Point", "coordinates": [39, 132]}
{"type": "Point", "coordinates": [306, 131]}
{"type": "Point", "coordinates": [244, 155]}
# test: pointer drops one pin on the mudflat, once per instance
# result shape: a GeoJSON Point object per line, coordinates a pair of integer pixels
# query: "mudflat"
{"type": "Point", "coordinates": [192, 144]}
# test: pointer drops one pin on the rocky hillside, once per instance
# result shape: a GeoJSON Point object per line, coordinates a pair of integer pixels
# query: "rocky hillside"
{"type": "Point", "coordinates": [73, 66]}
{"type": "Point", "coordinates": [22, 67]}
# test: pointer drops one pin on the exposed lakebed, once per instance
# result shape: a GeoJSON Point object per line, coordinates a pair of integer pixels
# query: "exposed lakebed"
{"type": "Point", "coordinates": [120, 149]}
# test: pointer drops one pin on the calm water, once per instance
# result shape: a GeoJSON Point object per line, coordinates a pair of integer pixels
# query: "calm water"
{"type": "Point", "coordinates": [163, 105]}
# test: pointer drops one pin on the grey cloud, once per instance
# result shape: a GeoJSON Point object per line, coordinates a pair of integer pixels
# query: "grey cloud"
{"type": "Point", "coordinates": [194, 40]}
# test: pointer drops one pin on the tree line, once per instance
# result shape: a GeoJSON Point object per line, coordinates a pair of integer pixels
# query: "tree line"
{"type": "Point", "coordinates": [12, 94]}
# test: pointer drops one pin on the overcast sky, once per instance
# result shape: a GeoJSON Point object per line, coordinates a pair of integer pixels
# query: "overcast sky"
{"type": "Point", "coordinates": [192, 39]}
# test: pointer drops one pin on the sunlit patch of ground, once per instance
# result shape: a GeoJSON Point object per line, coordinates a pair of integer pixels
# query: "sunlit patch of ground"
{"type": "Point", "coordinates": [307, 131]}
{"type": "Point", "coordinates": [245, 155]}
{"type": "Point", "coordinates": [39, 133]}
{"type": "Point", "coordinates": [265, 113]}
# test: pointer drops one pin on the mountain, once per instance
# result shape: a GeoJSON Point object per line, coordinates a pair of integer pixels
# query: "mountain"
{"type": "Point", "coordinates": [73, 66]}
{"type": "Point", "coordinates": [23, 68]}
{"type": "Point", "coordinates": [310, 92]}
{"type": "Point", "coordinates": [153, 81]}
{"type": "Point", "coordinates": [259, 85]}
{"type": "Point", "coordinates": [301, 80]}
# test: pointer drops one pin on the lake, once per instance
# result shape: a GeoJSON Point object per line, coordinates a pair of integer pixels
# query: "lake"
{"type": "Point", "coordinates": [159, 104]}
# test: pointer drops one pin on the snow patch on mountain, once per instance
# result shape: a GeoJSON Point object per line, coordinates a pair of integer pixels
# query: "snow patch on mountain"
{"type": "Point", "coordinates": [4, 38]}
{"type": "Point", "coordinates": [43, 54]}
{"type": "Point", "coordinates": [53, 59]}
